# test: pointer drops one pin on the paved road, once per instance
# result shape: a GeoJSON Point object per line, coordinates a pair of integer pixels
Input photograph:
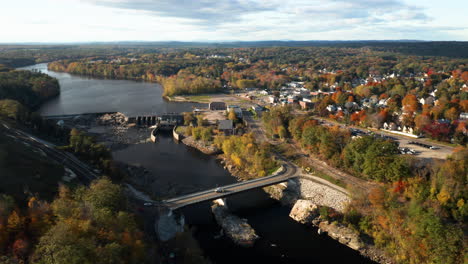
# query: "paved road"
{"type": "Point", "coordinates": [289, 171]}
{"type": "Point", "coordinates": [441, 153]}
{"type": "Point", "coordinates": [84, 173]}
{"type": "Point", "coordinates": [256, 127]}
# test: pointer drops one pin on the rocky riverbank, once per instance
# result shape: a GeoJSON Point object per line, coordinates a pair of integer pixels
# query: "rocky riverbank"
{"type": "Point", "coordinates": [208, 149]}
{"type": "Point", "coordinates": [307, 195]}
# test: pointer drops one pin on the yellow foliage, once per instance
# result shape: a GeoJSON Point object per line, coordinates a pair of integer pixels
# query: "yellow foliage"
{"type": "Point", "coordinates": [237, 160]}
{"type": "Point", "coordinates": [443, 196]}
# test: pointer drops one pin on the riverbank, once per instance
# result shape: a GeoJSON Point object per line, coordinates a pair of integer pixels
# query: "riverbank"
{"type": "Point", "coordinates": [322, 205]}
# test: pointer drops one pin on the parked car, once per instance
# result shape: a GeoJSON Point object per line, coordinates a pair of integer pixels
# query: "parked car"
{"type": "Point", "coordinates": [148, 204]}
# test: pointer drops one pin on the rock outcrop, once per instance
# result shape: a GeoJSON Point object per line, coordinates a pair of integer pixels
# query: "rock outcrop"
{"type": "Point", "coordinates": [200, 145]}
{"type": "Point", "coordinates": [309, 189]}
{"type": "Point", "coordinates": [304, 211]}
{"type": "Point", "coordinates": [343, 234]}
{"type": "Point", "coordinates": [234, 227]}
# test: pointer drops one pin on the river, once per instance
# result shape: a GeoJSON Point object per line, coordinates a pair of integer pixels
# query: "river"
{"type": "Point", "coordinates": [80, 94]}
{"type": "Point", "coordinates": [176, 168]}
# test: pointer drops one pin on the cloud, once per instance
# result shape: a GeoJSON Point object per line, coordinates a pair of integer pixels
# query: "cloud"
{"type": "Point", "coordinates": [209, 12]}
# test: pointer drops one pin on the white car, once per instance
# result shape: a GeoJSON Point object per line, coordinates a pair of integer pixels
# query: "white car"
{"type": "Point", "coordinates": [219, 190]}
{"type": "Point", "coordinates": [148, 204]}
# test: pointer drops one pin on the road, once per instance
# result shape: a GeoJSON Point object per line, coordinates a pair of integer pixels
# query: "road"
{"type": "Point", "coordinates": [256, 127]}
{"type": "Point", "coordinates": [288, 171]}
{"type": "Point", "coordinates": [441, 152]}
{"type": "Point", "coordinates": [84, 173]}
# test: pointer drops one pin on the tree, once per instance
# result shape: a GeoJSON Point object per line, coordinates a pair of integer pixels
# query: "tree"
{"type": "Point", "coordinates": [452, 114]}
{"type": "Point", "coordinates": [282, 132]}
{"type": "Point", "coordinates": [103, 194]}
{"type": "Point", "coordinates": [232, 116]}
{"type": "Point", "coordinates": [13, 109]}
{"type": "Point", "coordinates": [188, 118]}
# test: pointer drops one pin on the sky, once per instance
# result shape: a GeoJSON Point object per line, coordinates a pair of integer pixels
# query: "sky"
{"type": "Point", "coordinates": [66, 21]}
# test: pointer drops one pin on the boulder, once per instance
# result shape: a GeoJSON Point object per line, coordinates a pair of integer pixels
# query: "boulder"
{"type": "Point", "coordinates": [304, 211]}
{"type": "Point", "coordinates": [234, 227]}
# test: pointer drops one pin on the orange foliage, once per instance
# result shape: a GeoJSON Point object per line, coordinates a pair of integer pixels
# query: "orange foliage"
{"type": "Point", "coordinates": [410, 103]}
{"type": "Point", "coordinates": [377, 197]}
{"type": "Point", "coordinates": [464, 105]}
{"type": "Point", "coordinates": [464, 76]}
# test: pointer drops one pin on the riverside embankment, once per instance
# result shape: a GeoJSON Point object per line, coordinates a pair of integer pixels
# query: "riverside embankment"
{"type": "Point", "coordinates": [306, 194]}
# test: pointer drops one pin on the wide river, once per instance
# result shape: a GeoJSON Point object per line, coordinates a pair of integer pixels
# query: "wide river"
{"type": "Point", "coordinates": [180, 168]}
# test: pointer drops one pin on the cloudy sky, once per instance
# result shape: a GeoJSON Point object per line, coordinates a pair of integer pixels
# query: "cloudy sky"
{"type": "Point", "coordinates": [227, 20]}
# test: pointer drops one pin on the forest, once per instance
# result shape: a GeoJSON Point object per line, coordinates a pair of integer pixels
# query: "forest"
{"type": "Point", "coordinates": [419, 219]}
{"type": "Point", "coordinates": [82, 225]}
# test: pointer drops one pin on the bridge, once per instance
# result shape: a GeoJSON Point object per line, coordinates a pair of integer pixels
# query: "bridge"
{"type": "Point", "coordinates": [286, 172]}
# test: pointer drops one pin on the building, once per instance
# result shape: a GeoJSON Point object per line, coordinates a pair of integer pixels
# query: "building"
{"type": "Point", "coordinates": [236, 110]}
{"type": "Point", "coordinates": [217, 106]}
{"type": "Point", "coordinates": [258, 109]}
{"type": "Point", "coordinates": [305, 105]}
{"type": "Point", "coordinates": [272, 99]}
{"type": "Point", "coordinates": [226, 127]}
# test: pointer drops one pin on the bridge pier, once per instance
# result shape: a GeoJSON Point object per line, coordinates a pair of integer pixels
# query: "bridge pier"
{"type": "Point", "coordinates": [221, 201]}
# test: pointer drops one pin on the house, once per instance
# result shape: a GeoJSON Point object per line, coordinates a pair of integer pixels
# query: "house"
{"type": "Point", "coordinates": [305, 105]}
{"type": "Point", "coordinates": [292, 99]}
{"type": "Point", "coordinates": [272, 99]}
{"type": "Point", "coordinates": [390, 126]}
{"type": "Point", "coordinates": [429, 100]}
{"type": "Point", "coordinates": [351, 106]}
{"type": "Point", "coordinates": [236, 110]}
{"type": "Point", "coordinates": [407, 129]}
{"type": "Point", "coordinates": [217, 106]}
{"type": "Point", "coordinates": [331, 108]}
{"type": "Point", "coordinates": [226, 127]}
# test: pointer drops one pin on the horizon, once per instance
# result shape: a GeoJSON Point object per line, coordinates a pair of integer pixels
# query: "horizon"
{"type": "Point", "coordinates": [124, 42]}
{"type": "Point", "coordinates": [85, 21]}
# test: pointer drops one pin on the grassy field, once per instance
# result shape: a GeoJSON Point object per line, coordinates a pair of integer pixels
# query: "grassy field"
{"type": "Point", "coordinates": [207, 98]}
{"type": "Point", "coordinates": [24, 172]}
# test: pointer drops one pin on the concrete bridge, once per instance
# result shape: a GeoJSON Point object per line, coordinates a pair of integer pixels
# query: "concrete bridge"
{"type": "Point", "coordinates": [286, 172]}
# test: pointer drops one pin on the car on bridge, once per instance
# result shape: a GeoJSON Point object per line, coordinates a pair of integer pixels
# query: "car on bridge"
{"type": "Point", "coordinates": [220, 190]}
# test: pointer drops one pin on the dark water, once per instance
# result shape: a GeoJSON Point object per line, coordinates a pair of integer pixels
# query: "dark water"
{"type": "Point", "coordinates": [177, 169]}
{"type": "Point", "coordinates": [81, 94]}
{"type": "Point", "coordinates": [180, 169]}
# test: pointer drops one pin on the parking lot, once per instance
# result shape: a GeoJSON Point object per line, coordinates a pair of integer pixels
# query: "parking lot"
{"type": "Point", "coordinates": [441, 151]}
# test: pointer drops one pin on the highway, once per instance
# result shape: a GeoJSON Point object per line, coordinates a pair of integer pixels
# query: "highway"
{"type": "Point", "coordinates": [84, 173]}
